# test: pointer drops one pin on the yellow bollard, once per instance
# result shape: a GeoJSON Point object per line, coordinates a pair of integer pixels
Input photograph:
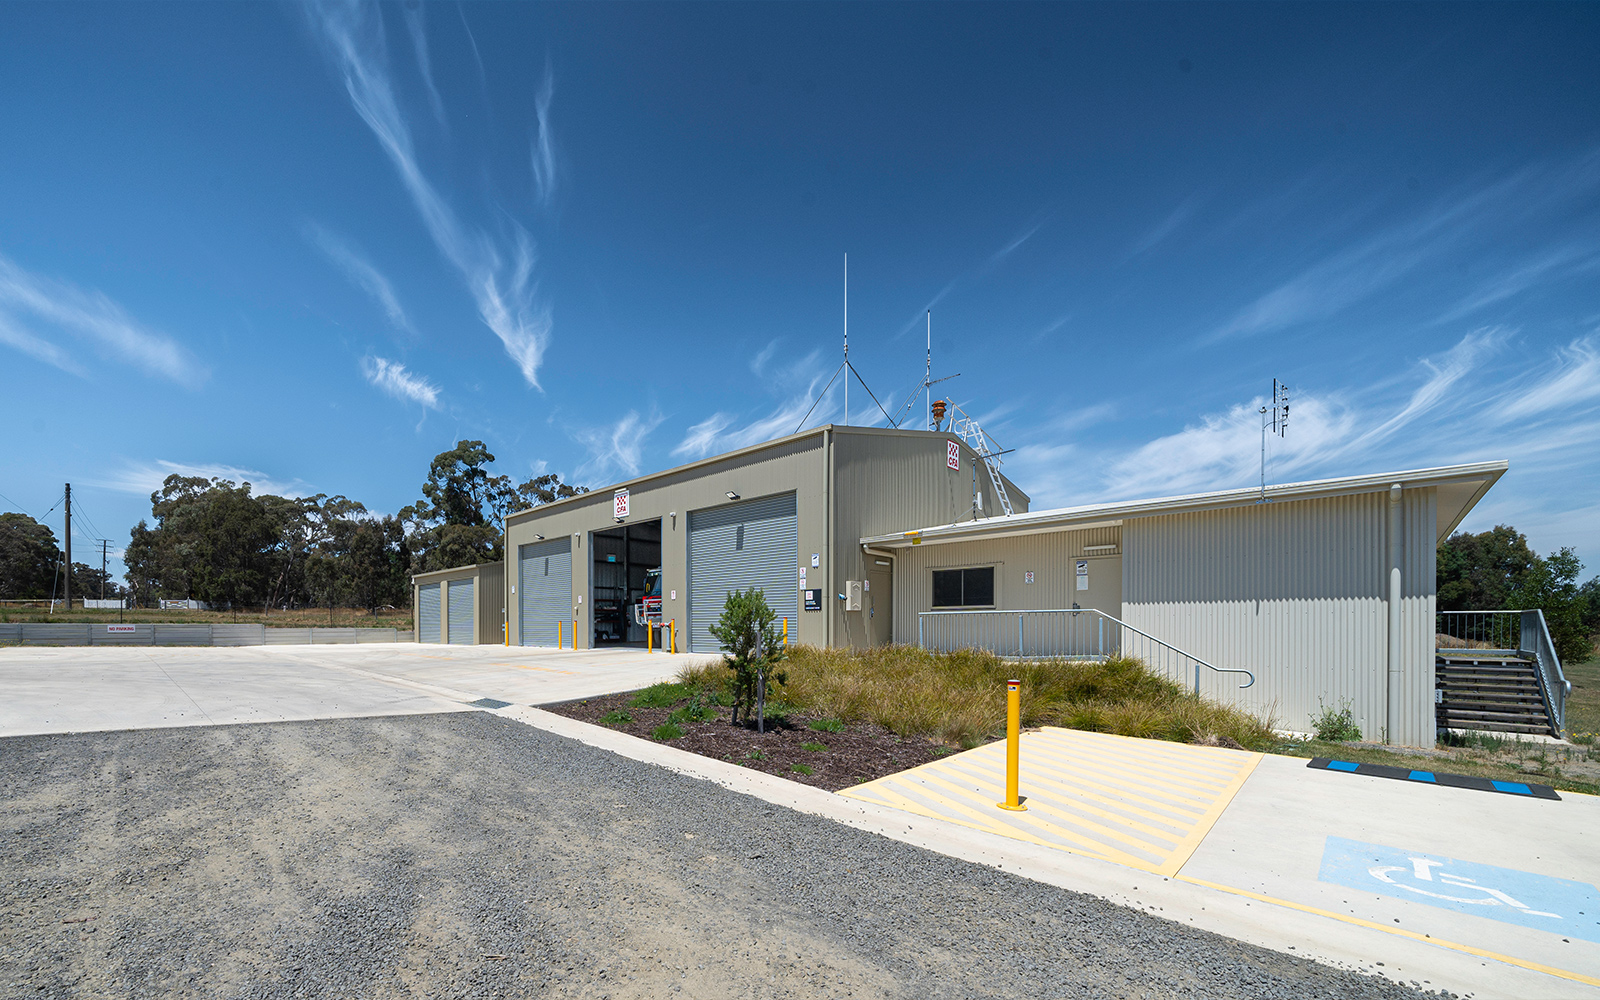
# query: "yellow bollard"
{"type": "Point", "coordinates": [1013, 801]}
{"type": "Point", "coordinates": [786, 633]}
{"type": "Point", "coordinates": [649, 636]}
{"type": "Point", "coordinates": [672, 630]}
{"type": "Point", "coordinates": [559, 627]}
{"type": "Point", "coordinates": [506, 628]}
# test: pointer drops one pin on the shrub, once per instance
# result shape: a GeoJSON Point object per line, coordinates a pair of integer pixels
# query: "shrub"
{"type": "Point", "coordinates": [615, 718]}
{"type": "Point", "coordinates": [747, 630]}
{"type": "Point", "coordinates": [663, 695]}
{"type": "Point", "coordinates": [667, 731]}
{"type": "Point", "coordinates": [1336, 726]}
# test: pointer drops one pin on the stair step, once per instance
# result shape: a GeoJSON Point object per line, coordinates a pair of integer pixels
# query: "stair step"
{"type": "Point", "coordinates": [1528, 718]}
{"type": "Point", "coordinates": [1500, 728]}
{"type": "Point", "coordinates": [1508, 704]}
{"type": "Point", "coordinates": [1498, 666]}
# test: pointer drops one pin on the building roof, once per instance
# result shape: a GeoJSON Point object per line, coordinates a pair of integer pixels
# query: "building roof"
{"type": "Point", "coordinates": [639, 481]}
{"type": "Point", "coordinates": [1460, 488]}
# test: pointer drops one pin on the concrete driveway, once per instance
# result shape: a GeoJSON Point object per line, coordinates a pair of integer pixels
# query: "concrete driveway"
{"type": "Point", "coordinates": [92, 689]}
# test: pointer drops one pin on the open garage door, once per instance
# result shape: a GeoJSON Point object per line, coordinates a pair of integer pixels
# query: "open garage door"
{"type": "Point", "coordinates": [755, 543]}
{"type": "Point", "coordinates": [428, 612]}
{"type": "Point", "coordinates": [544, 590]}
{"type": "Point", "coordinates": [459, 597]}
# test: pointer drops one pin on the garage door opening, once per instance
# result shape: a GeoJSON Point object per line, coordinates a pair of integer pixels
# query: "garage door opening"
{"type": "Point", "coordinates": [626, 560]}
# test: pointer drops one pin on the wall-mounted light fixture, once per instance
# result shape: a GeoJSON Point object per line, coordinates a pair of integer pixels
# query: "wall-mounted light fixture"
{"type": "Point", "coordinates": [538, 536]}
{"type": "Point", "coordinates": [732, 495]}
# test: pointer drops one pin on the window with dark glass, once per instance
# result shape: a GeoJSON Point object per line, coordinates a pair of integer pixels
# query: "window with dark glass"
{"type": "Point", "coordinates": [964, 588]}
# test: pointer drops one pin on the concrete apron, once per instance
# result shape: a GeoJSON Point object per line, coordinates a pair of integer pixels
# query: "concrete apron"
{"type": "Point", "coordinates": [1257, 872]}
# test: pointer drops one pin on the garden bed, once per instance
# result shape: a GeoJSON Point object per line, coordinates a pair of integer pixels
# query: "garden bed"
{"type": "Point", "coordinates": [807, 748]}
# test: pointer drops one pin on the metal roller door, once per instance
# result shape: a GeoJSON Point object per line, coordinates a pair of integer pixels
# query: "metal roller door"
{"type": "Point", "coordinates": [459, 597]}
{"type": "Point", "coordinates": [742, 545]}
{"type": "Point", "coordinates": [428, 612]}
{"type": "Point", "coordinates": [544, 591]}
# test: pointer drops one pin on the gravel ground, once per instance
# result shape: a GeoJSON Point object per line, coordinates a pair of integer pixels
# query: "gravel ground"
{"type": "Point", "coordinates": [467, 855]}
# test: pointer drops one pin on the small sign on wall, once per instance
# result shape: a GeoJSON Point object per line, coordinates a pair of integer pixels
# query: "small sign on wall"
{"type": "Point", "coordinates": [814, 600]}
{"type": "Point", "coordinates": [1083, 574]}
{"type": "Point", "coordinates": [619, 500]}
{"type": "Point", "coordinates": [952, 456]}
{"type": "Point", "coordinates": [1027, 577]}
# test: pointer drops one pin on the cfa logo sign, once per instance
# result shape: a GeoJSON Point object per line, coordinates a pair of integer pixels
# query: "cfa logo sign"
{"type": "Point", "coordinates": [952, 455]}
{"type": "Point", "coordinates": [619, 500]}
{"type": "Point", "coordinates": [1559, 905]}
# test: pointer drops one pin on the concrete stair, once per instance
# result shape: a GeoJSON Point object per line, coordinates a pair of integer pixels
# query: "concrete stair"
{"type": "Point", "coordinates": [1492, 692]}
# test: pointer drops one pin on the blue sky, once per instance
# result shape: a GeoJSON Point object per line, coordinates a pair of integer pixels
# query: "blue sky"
{"type": "Point", "coordinates": [314, 246]}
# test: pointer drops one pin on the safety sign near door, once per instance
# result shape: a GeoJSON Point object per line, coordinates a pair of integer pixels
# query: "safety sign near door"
{"type": "Point", "coordinates": [1561, 906]}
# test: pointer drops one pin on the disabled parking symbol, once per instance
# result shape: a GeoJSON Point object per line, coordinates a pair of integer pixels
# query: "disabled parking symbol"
{"type": "Point", "coordinates": [1561, 906]}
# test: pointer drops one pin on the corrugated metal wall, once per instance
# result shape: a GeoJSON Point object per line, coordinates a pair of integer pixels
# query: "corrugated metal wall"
{"type": "Point", "coordinates": [1050, 557]}
{"type": "Point", "coordinates": [887, 481]}
{"type": "Point", "coordinates": [1297, 593]}
{"type": "Point", "coordinates": [491, 603]}
{"type": "Point", "coordinates": [461, 612]}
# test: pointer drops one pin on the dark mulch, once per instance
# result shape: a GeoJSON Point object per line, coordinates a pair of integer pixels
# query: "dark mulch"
{"type": "Point", "coordinates": [859, 752]}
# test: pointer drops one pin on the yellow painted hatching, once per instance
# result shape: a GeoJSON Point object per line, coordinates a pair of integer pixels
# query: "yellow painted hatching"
{"type": "Point", "coordinates": [1142, 803]}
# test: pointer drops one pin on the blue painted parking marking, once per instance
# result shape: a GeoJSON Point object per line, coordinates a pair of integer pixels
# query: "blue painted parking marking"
{"type": "Point", "coordinates": [1560, 906]}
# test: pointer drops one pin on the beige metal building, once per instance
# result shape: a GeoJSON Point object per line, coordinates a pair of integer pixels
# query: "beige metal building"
{"type": "Point", "coordinates": [1319, 595]}
{"type": "Point", "coordinates": [1325, 592]}
{"type": "Point", "coordinates": [461, 606]}
{"type": "Point", "coordinates": [786, 516]}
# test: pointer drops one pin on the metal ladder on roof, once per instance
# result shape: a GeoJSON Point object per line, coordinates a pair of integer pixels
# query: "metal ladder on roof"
{"type": "Point", "coordinates": [987, 448]}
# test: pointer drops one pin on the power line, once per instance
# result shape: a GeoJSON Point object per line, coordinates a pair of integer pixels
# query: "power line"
{"type": "Point", "coordinates": [14, 504]}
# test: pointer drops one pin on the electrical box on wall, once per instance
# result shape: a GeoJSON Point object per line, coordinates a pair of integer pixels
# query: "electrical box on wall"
{"type": "Point", "coordinates": [852, 595]}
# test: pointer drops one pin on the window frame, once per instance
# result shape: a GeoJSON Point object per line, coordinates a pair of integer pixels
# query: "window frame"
{"type": "Point", "coordinates": [994, 587]}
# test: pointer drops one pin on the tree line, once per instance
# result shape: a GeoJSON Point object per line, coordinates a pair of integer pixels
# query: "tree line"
{"type": "Point", "coordinates": [216, 541]}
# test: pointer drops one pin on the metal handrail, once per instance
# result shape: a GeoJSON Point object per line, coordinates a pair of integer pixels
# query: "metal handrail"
{"type": "Point", "coordinates": [1021, 648]}
{"type": "Point", "coordinates": [1532, 639]}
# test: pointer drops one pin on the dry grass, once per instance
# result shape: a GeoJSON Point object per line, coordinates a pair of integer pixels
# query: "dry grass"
{"type": "Point", "coordinates": [959, 698]}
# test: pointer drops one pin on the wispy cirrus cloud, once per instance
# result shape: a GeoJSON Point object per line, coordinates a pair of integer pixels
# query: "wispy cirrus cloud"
{"type": "Point", "coordinates": [361, 273]}
{"type": "Point", "coordinates": [797, 386]}
{"type": "Point", "coordinates": [417, 26]}
{"type": "Point", "coordinates": [544, 153]}
{"type": "Point", "coordinates": [13, 334]}
{"type": "Point", "coordinates": [498, 272]}
{"type": "Point", "coordinates": [989, 264]}
{"type": "Point", "coordinates": [1474, 219]}
{"type": "Point", "coordinates": [144, 478]}
{"type": "Point", "coordinates": [392, 378]}
{"type": "Point", "coordinates": [618, 448]}
{"type": "Point", "coordinates": [89, 315]}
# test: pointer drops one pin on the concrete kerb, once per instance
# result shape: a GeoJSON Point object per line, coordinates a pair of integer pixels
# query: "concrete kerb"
{"type": "Point", "coordinates": [1224, 910]}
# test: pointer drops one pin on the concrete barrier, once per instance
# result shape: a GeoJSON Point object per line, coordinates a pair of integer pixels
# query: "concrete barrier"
{"type": "Point", "coordinates": [178, 634]}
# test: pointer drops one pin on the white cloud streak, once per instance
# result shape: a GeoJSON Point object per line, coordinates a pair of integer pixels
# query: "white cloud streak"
{"type": "Point", "coordinates": [544, 155]}
{"type": "Point", "coordinates": [416, 24]}
{"type": "Point", "coordinates": [392, 378]}
{"type": "Point", "coordinates": [498, 276]}
{"type": "Point", "coordinates": [618, 448]}
{"type": "Point", "coordinates": [14, 335]}
{"type": "Point", "coordinates": [86, 314]}
{"type": "Point", "coordinates": [361, 273]}
{"type": "Point", "coordinates": [721, 431]}
{"type": "Point", "coordinates": [144, 478]}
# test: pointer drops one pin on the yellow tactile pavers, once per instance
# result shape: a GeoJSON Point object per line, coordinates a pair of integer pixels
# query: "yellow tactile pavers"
{"type": "Point", "coordinates": [1143, 803]}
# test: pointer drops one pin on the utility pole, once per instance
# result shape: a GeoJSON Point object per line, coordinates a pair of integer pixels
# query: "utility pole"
{"type": "Point", "coordinates": [103, 543]}
{"type": "Point", "coordinates": [67, 604]}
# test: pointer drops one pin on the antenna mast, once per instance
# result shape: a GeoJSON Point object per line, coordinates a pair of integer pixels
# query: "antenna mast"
{"type": "Point", "coordinates": [927, 374]}
{"type": "Point", "coordinates": [1275, 417]}
{"type": "Point", "coordinates": [847, 337]}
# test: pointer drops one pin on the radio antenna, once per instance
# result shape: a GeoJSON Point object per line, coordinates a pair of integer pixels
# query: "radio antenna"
{"type": "Point", "coordinates": [847, 337]}
{"type": "Point", "coordinates": [1275, 417]}
{"type": "Point", "coordinates": [927, 374]}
